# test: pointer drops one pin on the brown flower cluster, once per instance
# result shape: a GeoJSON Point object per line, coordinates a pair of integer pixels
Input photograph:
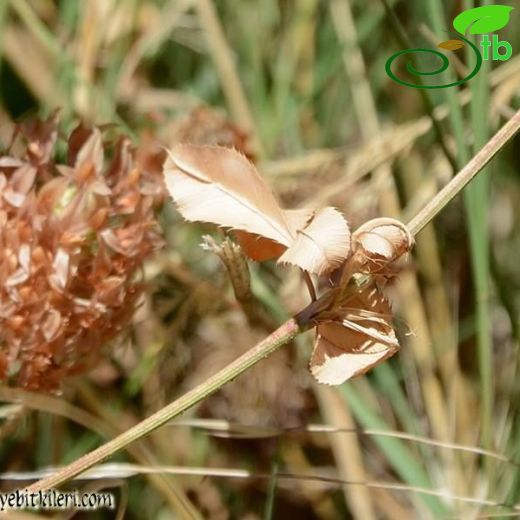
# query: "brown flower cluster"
{"type": "Point", "coordinates": [72, 239]}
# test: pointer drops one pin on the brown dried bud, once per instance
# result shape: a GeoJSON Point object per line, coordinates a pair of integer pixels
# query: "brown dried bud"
{"type": "Point", "coordinates": [380, 242]}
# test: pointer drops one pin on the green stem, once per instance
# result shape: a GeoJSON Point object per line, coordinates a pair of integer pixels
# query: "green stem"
{"type": "Point", "coordinates": [476, 204]}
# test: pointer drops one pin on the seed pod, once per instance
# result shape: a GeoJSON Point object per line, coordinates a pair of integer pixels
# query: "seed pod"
{"type": "Point", "coordinates": [380, 242]}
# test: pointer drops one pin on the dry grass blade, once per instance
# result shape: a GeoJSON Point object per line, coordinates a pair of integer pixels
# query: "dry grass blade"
{"type": "Point", "coordinates": [223, 56]}
{"type": "Point", "coordinates": [347, 452]}
{"type": "Point", "coordinates": [125, 470]}
{"type": "Point", "coordinates": [60, 408]}
{"type": "Point", "coordinates": [223, 428]}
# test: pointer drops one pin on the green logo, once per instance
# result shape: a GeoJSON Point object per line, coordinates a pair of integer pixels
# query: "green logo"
{"type": "Point", "coordinates": [480, 20]}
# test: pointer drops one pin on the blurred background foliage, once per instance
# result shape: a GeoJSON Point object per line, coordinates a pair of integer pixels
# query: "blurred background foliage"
{"type": "Point", "coordinates": [300, 87]}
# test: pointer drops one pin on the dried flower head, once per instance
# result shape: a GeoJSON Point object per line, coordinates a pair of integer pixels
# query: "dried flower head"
{"type": "Point", "coordinates": [72, 237]}
{"type": "Point", "coordinates": [219, 185]}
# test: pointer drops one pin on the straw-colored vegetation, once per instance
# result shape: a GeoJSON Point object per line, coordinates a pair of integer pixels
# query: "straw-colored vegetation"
{"type": "Point", "coordinates": [117, 315]}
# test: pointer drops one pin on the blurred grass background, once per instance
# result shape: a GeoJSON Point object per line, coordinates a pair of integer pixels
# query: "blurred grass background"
{"type": "Point", "coordinates": [301, 86]}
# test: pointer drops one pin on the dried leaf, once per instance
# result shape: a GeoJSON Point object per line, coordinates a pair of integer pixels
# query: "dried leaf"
{"type": "Point", "coordinates": [358, 340]}
{"type": "Point", "coordinates": [18, 277]}
{"type": "Point", "coordinates": [23, 179]}
{"type": "Point", "coordinates": [24, 257]}
{"type": "Point", "coordinates": [297, 219]}
{"type": "Point", "coordinates": [219, 185]}
{"type": "Point", "coordinates": [260, 249]}
{"type": "Point", "coordinates": [41, 137]}
{"type": "Point", "coordinates": [86, 147]}
{"type": "Point", "coordinates": [322, 245]}
{"type": "Point", "coordinates": [20, 184]}
{"type": "Point", "coordinates": [61, 265]}
{"type": "Point", "coordinates": [51, 325]}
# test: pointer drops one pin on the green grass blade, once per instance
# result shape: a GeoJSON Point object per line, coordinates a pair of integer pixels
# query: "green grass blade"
{"type": "Point", "coordinates": [397, 454]}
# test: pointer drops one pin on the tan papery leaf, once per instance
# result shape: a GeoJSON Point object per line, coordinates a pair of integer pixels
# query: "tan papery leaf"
{"type": "Point", "coordinates": [297, 219]}
{"type": "Point", "coordinates": [322, 245]}
{"type": "Point", "coordinates": [91, 149]}
{"type": "Point", "coordinates": [260, 249]}
{"type": "Point", "coordinates": [219, 185]}
{"type": "Point", "coordinates": [358, 340]}
{"type": "Point", "coordinates": [380, 242]}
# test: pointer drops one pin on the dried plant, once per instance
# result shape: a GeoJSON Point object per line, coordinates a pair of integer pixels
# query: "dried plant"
{"type": "Point", "coordinates": [285, 333]}
{"type": "Point", "coordinates": [219, 185]}
{"type": "Point", "coordinates": [72, 239]}
{"type": "Point", "coordinates": [433, 433]}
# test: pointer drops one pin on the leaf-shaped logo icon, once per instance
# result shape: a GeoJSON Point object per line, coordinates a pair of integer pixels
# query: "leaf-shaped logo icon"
{"type": "Point", "coordinates": [451, 45]}
{"type": "Point", "coordinates": [481, 20]}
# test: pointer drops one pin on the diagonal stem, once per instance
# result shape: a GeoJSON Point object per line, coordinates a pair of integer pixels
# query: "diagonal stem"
{"type": "Point", "coordinates": [288, 331]}
{"type": "Point", "coordinates": [457, 184]}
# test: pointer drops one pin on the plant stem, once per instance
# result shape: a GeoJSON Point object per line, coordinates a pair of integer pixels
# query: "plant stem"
{"type": "Point", "coordinates": [476, 199]}
{"type": "Point", "coordinates": [455, 186]}
{"type": "Point", "coordinates": [285, 333]}
{"type": "Point", "coordinates": [310, 286]}
{"type": "Point", "coordinates": [288, 331]}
